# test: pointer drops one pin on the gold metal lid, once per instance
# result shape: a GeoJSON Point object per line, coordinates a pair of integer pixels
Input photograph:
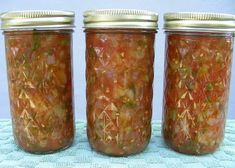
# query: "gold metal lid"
{"type": "Point", "coordinates": [203, 22]}
{"type": "Point", "coordinates": [37, 19]}
{"type": "Point", "coordinates": [120, 18]}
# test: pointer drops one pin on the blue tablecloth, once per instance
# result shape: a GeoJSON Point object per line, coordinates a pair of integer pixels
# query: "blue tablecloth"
{"type": "Point", "coordinates": [79, 155]}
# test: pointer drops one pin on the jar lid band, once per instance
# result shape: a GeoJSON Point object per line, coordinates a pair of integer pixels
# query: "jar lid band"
{"type": "Point", "coordinates": [120, 18]}
{"type": "Point", "coordinates": [37, 19]}
{"type": "Point", "coordinates": [204, 22]}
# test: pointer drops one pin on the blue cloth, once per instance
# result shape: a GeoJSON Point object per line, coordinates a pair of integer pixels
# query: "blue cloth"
{"type": "Point", "coordinates": [79, 155]}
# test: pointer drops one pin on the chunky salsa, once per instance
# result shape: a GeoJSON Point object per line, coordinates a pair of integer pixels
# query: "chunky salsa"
{"type": "Point", "coordinates": [119, 78]}
{"type": "Point", "coordinates": [40, 88]}
{"type": "Point", "coordinates": [197, 80]}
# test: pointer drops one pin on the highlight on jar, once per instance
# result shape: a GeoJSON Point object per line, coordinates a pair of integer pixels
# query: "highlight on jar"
{"type": "Point", "coordinates": [119, 76]}
{"type": "Point", "coordinates": [199, 48]}
{"type": "Point", "coordinates": [38, 55]}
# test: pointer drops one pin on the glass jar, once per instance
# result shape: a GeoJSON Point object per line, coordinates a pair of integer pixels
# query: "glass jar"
{"type": "Point", "coordinates": [119, 75]}
{"type": "Point", "coordinates": [38, 54]}
{"type": "Point", "coordinates": [197, 77]}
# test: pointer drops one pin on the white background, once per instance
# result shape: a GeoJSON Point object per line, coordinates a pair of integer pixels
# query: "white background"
{"type": "Point", "coordinates": [79, 6]}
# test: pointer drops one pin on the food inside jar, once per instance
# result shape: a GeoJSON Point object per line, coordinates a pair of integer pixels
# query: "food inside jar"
{"type": "Point", "coordinates": [119, 90]}
{"type": "Point", "coordinates": [197, 80]}
{"type": "Point", "coordinates": [40, 88]}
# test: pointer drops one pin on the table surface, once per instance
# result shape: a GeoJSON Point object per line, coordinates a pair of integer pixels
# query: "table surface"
{"type": "Point", "coordinates": [79, 155]}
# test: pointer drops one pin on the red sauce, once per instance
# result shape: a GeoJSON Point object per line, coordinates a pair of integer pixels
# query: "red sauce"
{"type": "Point", "coordinates": [40, 87]}
{"type": "Point", "coordinates": [119, 89]}
{"type": "Point", "coordinates": [197, 80]}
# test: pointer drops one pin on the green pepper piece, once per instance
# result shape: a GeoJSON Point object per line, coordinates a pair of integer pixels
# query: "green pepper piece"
{"type": "Point", "coordinates": [203, 70]}
{"type": "Point", "coordinates": [129, 104]}
{"type": "Point", "coordinates": [190, 85]}
{"type": "Point", "coordinates": [91, 52]}
{"type": "Point", "coordinates": [64, 42]}
{"type": "Point", "coordinates": [142, 44]}
{"type": "Point", "coordinates": [173, 114]}
{"type": "Point", "coordinates": [209, 86]}
{"type": "Point", "coordinates": [36, 42]}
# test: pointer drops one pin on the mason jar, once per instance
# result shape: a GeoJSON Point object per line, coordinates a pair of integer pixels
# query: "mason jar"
{"type": "Point", "coordinates": [199, 48]}
{"type": "Point", "coordinates": [38, 54]}
{"type": "Point", "coordinates": [119, 76]}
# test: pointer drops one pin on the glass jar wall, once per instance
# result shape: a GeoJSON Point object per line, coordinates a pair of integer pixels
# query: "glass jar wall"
{"type": "Point", "coordinates": [197, 80]}
{"type": "Point", "coordinates": [40, 86]}
{"type": "Point", "coordinates": [119, 76]}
